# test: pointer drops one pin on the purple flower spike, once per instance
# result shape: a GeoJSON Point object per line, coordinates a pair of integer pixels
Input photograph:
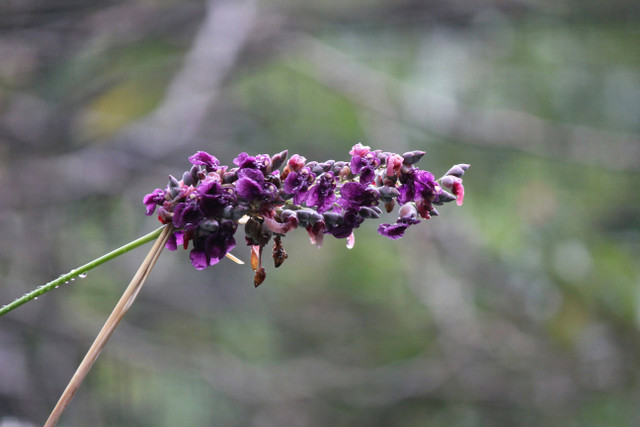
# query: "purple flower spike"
{"type": "Point", "coordinates": [331, 197]}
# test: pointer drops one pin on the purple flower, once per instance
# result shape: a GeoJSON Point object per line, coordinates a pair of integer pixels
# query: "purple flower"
{"type": "Point", "coordinates": [297, 183]}
{"type": "Point", "coordinates": [214, 198]}
{"type": "Point", "coordinates": [392, 231]}
{"type": "Point", "coordinates": [151, 200]}
{"type": "Point", "coordinates": [187, 215]}
{"type": "Point", "coordinates": [205, 159]}
{"type": "Point", "coordinates": [425, 186]}
{"type": "Point", "coordinates": [355, 195]}
{"type": "Point", "coordinates": [344, 228]}
{"type": "Point", "coordinates": [329, 197]}
{"type": "Point", "coordinates": [176, 238]}
{"type": "Point", "coordinates": [210, 248]}
{"type": "Point", "coordinates": [261, 161]}
{"type": "Point", "coordinates": [417, 185]}
{"type": "Point", "coordinates": [407, 216]}
{"type": "Point", "coordinates": [368, 161]}
{"type": "Point", "coordinates": [321, 196]}
{"type": "Point", "coordinates": [251, 186]}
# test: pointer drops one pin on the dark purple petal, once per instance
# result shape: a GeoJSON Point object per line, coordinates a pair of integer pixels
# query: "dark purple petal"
{"type": "Point", "coordinates": [356, 165]}
{"type": "Point", "coordinates": [244, 160]}
{"type": "Point", "coordinates": [204, 158]}
{"type": "Point", "coordinates": [153, 199]}
{"type": "Point", "coordinates": [171, 243]}
{"type": "Point", "coordinates": [392, 231]}
{"type": "Point", "coordinates": [186, 214]}
{"type": "Point", "coordinates": [367, 175]}
{"type": "Point", "coordinates": [248, 189]}
{"type": "Point", "coordinates": [425, 186]}
{"type": "Point", "coordinates": [198, 259]}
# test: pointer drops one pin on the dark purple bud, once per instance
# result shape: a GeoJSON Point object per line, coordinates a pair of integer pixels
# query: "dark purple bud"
{"type": "Point", "coordinates": [308, 217]}
{"type": "Point", "coordinates": [230, 177]}
{"type": "Point", "coordinates": [366, 212]}
{"type": "Point", "coordinates": [278, 160]}
{"type": "Point", "coordinates": [328, 165]}
{"type": "Point", "coordinates": [331, 219]}
{"type": "Point", "coordinates": [412, 157]}
{"type": "Point", "coordinates": [444, 197]}
{"type": "Point", "coordinates": [388, 193]}
{"type": "Point", "coordinates": [458, 170]}
{"type": "Point", "coordinates": [173, 182]}
{"type": "Point", "coordinates": [392, 231]}
{"type": "Point", "coordinates": [337, 167]}
{"type": "Point", "coordinates": [210, 225]}
{"type": "Point", "coordinates": [382, 156]}
{"type": "Point", "coordinates": [187, 179]}
{"type": "Point", "coordinates": [194, 173]}
{"type": "Point", "coordinates": [233, 212]}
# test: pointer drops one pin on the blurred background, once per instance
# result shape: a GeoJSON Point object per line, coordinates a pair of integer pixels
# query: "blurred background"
{"type": "Point", "coordinates": [520, 308]}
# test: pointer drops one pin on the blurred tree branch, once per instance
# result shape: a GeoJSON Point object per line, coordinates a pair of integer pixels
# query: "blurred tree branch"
{"type": "Point", "coordinates": [448, 119]}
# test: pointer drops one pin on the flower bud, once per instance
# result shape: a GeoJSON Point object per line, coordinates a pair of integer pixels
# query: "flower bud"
{"type": "Point", "coordinates": [387, 194]}
{"type": "Point", "coordinates": [344, 172]}
{"type": "Point", "coordinates": [412, 157]}
{"type": "Point", "coordinates": [209, 225]}
{"type": "Point", "coordinates": [229, 177]}
{"type": "Point", "coordinates": [233, 212]}
{"type": "Point", "coordinates": [458, 170]}
{"type": "Point", "coordinates": [367, 212]}
{"type": "Point", "coordinates": [308, 217]}
{"type": "Point", "coordinates": [337, 167]}
{"type": "Point", "coordinates": [261, 274]}
{"type": "Point", "coordinates": [278, 160]}
{"type": "Point", "coordinates": [296, 162]}
{"type": "Point", "coordinates": [388, 206]}
{"type": "Point", "coordinates": [332, 219]}
{"type": "Point", "coordinates": [444, 197]}
{"type": "Point", "coordinates": [279, 254]}
{"type": "Point", "coordinates": [408, 214]}
{"type": "Point", "coordinates": [187, 179]}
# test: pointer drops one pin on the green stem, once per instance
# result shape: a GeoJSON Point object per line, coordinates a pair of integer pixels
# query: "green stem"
{"type": "Point", "coordinates": [65, 278]}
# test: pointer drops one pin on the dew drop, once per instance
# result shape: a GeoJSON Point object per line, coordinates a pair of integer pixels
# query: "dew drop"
{"type": "Point", "coordinates": [67, 282]}
{"type": "Point", "coordinates": [82, 275]}
{"type": "Point", "coordinates": [35, 297]}
{"type": "Point", "coordinates": [72, 279]}
{"type": "Point", "coordinates": [57, 286]}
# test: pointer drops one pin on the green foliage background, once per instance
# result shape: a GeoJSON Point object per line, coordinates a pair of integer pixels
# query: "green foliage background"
{"type": "Point", "coordinates": [520, 308]}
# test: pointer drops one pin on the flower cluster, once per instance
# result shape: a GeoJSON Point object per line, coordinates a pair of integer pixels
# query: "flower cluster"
{"type": "Point", "coordinates": [271, 196]}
